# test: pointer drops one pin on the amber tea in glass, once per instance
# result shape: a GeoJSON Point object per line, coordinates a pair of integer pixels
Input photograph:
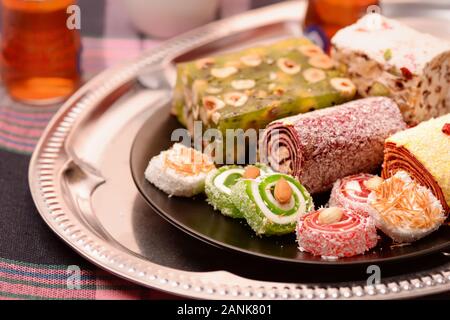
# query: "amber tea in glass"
{"type": "Point", "coordinates": [40, 53]}
{"type": "Point", "coordinates": [325, 17]}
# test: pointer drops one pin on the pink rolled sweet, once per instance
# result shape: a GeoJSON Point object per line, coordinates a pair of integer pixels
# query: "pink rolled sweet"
{"type": "Point", "coordinates": [323, 146]}
{"type": "Point", "coordinates": [335, 232]}
{"type": "Point", "coordinates": [352, 192]}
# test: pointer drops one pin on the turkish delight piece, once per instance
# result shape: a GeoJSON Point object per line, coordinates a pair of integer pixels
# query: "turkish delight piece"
{"type": "Point", "coordinates": [250, 88]}
{"type": "Point", "coordinates": [385, 57]}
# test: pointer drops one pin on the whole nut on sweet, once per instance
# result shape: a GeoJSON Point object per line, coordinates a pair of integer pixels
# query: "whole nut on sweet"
{"type": "Point", "coordinates": [310, 50]}
{"type": "Point", "coordinates": [330, 215]}
{"type": "Point", "coordinates": [212, 103]}
{"type": "Point", "coordinates": [321, 61]}
{"type": "Point", "coordinates": [251, 172]}
{"type": "Point", "coordinates": [373, 183]}
{"type": "Point", "coordinates": [243, 84]}
{"type": "Point", "coordinates": [236, 99]}
{"type": "Point", "coordinates": [343, 85]}
{"type": "Point", "coordinates": [288, 66]}
{"type": "Point", "coordinates": [283, 191]}
{"type": "Point", "coordinates": [313, 75]}
{"type": "Point", "coordinates": [251, 60]}
{"type": "Point", "coordinates": [223, 72]}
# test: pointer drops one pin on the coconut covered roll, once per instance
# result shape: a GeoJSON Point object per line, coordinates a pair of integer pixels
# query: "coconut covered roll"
{"type": "Point", "coordinates": [424, 153]}
{"type": "Point", "coordinates": [271, 204]}
{"type": "Point", "coordinates": [335, 232]}
{"type": "Point", "coordinates": [179, 171]}
{"type": "Point", "coordinates": [219, 182]}
{"type": "Point", "coordinates": [353, 191]}
{"type": "Point", "coordinates": [404, 210]}
{"type": "Point", "coordinates": [323, 146]}
{"type": "Point", "coordinates": [385, 57]}
{"type": "Point", "coordinates": [252, 87]}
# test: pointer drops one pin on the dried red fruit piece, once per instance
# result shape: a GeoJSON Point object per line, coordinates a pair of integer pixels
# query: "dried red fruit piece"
{"type": "Point", "coordinates": [446, 129]}
{"type": "Point", "coordinates": [407, 74]}
{"type": "Point", "coordinates": [386, 25]}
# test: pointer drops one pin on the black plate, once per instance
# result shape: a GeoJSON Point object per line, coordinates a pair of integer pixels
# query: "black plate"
{"type": "Point", "coordinates": [198, 219]}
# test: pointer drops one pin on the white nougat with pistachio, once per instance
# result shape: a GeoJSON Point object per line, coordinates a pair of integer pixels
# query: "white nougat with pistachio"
{"type": "Point", "coordinates": [386, 57]}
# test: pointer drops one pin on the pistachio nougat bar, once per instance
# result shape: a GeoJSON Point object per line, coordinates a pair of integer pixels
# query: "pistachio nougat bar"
{"type": "Point", "coordinates": [250, 88]}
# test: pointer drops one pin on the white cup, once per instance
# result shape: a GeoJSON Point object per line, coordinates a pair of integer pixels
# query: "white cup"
{"type": "Point", "coordinates": [166, 18]}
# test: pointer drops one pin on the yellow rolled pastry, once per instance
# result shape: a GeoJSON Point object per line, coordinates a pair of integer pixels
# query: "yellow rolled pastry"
{"type": "Point", "coordinates": [424, 153]}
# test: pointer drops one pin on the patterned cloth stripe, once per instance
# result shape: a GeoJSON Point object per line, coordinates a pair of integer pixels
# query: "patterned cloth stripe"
{"type": "Point", "coordinates": [55, 292]}
{"type": "Point", "coordinates": [22, 123]}
{"type": "Point", "coordinates": [15, 146]}
{"type": "Point", "coordinates": [50, 282]}
{"type": "Point", "coordinates": [40, 117]}
{"type": "Point", "coordinates": [62, 283]}
{"type": "Point", "coordinates": [18, 130]}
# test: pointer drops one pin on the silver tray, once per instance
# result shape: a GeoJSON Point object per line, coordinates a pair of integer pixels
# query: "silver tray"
{"type": "Point", "coordinates": [81, 183]}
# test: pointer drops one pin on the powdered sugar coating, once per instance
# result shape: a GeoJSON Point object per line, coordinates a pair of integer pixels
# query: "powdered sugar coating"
{"type": "Point", "coordinates": [323, 146]}
{"type": "Point", "coordinates": [340, 198]}
{"type": "Point", "coordinates": [408, 47]}
{"type": "Point", "coordinates": [352, 236]}
{"type": "Point", "coordinates": [404, 210]}
{"type": "Point", "coordinates": [179, 171]}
